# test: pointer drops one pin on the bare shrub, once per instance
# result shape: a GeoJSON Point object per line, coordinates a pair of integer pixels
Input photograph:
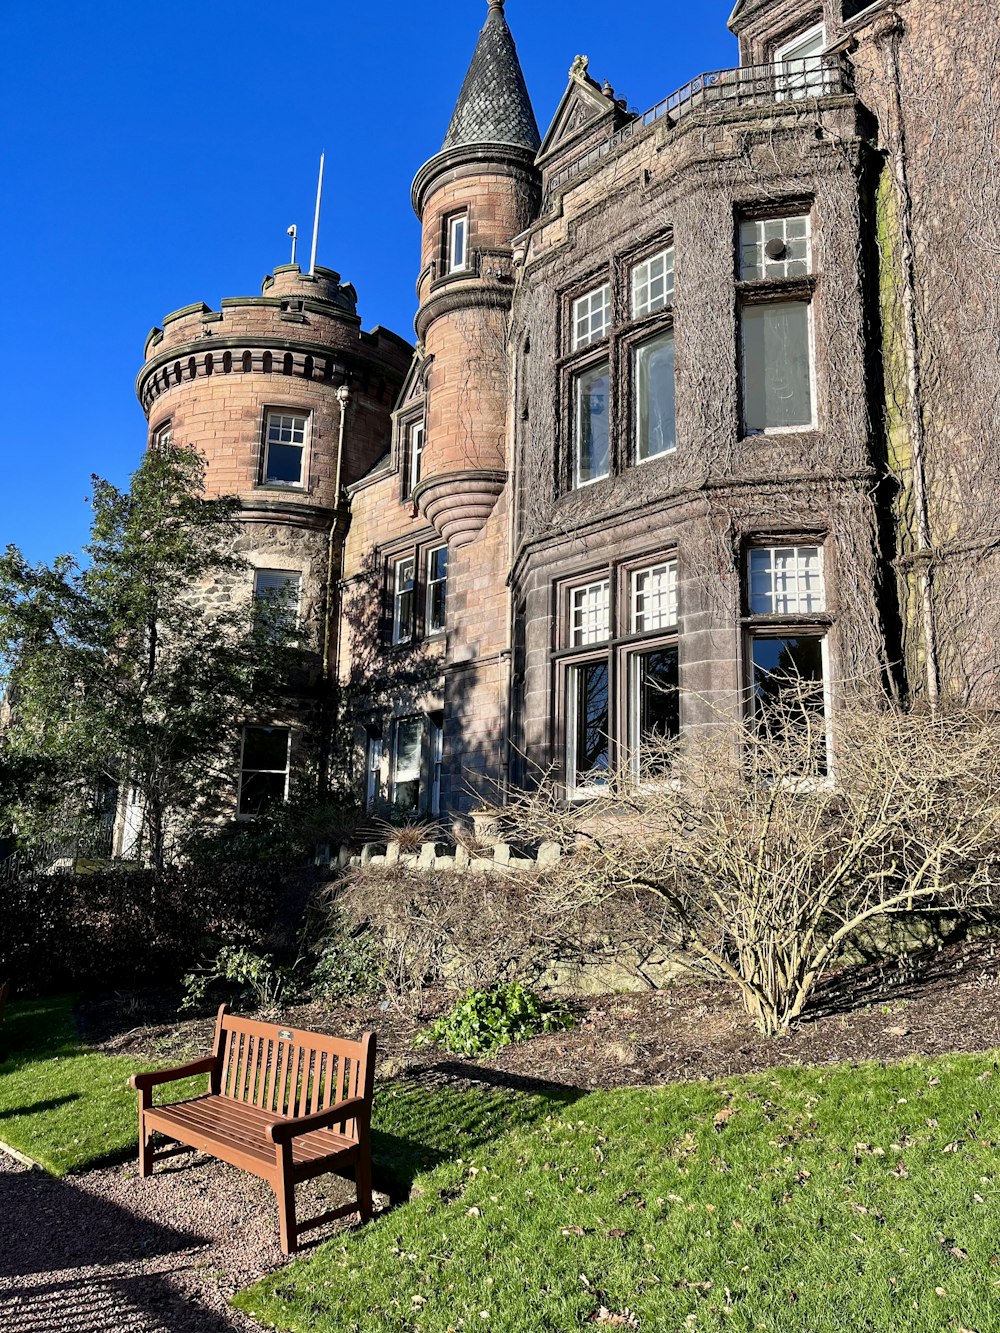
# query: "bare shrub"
{"type": "Point", "coordinates": [770, 847]}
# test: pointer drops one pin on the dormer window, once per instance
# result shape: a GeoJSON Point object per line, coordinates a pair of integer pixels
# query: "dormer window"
{"type": "Point", "coordinates": [799, 64]}
{"type": "Point", "coordinates": [458, 242]}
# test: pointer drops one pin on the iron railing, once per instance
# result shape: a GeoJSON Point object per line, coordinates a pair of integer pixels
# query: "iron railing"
{"type": "Point", "coordinates": [792, 81]}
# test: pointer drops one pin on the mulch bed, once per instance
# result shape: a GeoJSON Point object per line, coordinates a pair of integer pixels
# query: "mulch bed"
{"type": "Point", "coordinates": [104, 1250]}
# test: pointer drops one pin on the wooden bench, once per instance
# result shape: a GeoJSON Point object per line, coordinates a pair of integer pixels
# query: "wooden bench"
{"type": "Point", "coordinates": [283, 1104]}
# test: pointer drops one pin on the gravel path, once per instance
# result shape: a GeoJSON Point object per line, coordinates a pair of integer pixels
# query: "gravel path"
{"type": "Point", "coordinates": [107, 1252]}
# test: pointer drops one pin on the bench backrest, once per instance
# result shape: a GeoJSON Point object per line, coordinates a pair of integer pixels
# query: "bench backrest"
{"type": "Point", "coordinates": [290, 1071]}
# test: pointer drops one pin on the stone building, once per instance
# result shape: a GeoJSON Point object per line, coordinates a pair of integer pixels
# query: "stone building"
{"type": "Point", "coordinates": [702, 400]}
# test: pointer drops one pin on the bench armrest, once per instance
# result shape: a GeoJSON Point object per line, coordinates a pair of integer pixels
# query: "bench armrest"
{"type": "Point", "coordinates": [148, 1080]}
{"type": "Point", "coordinates": [286, 1130]}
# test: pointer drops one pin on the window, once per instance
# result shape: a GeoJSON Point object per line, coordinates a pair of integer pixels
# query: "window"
{"type": "Point", "coordinates": [591, 444]}
{"type": "Point", "coordinates": [373, 769]}
{"type": "Point", "coordinates": [163, 435]}
{"type": "Point", "coordinates": [437, 589]}
{"type": "Point", "coordinates": [788, 664]}
{"type": "Point", "coordinates": [775, 248]}
{"type": "Point", "coordinates": [654, 597]}
{"type": "Point", "coordinates": [285, 447]}
{"type": "Point", "coordinates": [263, 769]}
{"type": "Point", "coordinates": [777, 366]}
{"type": "Point", "coordinates": [799, 65]}
{"type": "Point", "coordinates": [590, 606]}
{"type": "Point", "coordinates": [407, 743]}
{"type": "Point", "coordinates": [588, 742]}
{"type": "Point", "coordinates": [458, 228]}
{"type": "Point", "coordinates": [654, 396]}
{"type": "Point", "coordinates": [852, 8]}
{"type": "Point", "coordinates": [279, 592]}
{"type": "Point", "coordinates": [786, 581]}
{"type": "Point", "coordinates": [621, 705]}
{"type": "Point", "coordinates": [414, 456]}
{"type": "Point", "coordinates": [591, 317]}
{"type": "Point", "coordinates": [402, 599]}
{"type": "Point", "coordinates": [653, 283]}
{"type": "Point", "coordinates": [435, 726]}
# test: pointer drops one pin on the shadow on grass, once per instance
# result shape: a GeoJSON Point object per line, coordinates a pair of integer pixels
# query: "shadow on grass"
{"type": "Point", "coordinates": [49, 1104]}
{"type": "Point", "coordinates": [452, 1110]}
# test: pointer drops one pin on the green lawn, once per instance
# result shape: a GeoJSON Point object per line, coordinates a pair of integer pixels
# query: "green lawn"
{"type": "Point", "coordinates": [63, 1106]}
{"type": "Point", "coordinates": [845, 1198]}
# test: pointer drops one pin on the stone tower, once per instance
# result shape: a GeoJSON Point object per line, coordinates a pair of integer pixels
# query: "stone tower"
{"type": "Point", "coordinates": [472, 198]}
{"type": "Point", "coordinates": [288, 401]}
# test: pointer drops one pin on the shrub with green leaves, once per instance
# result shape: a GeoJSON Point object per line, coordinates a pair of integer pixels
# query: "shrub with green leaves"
{"type": "Point", "coordinates": [484, 1020]}
{"type": "Point", "coordinates": [349, 964]}
{"type": "Point", "coordinates": [254, 977]}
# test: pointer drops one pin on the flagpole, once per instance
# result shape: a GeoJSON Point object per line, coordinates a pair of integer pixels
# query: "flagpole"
{"type": "Point", "coordinates": [319, 197]}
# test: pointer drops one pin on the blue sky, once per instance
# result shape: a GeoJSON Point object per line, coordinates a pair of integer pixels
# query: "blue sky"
{"type": "Point", "coordinates": [154, 155]}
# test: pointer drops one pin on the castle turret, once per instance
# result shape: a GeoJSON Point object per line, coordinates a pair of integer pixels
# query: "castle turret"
{"type": "Point", "coordinates": [472, 198]}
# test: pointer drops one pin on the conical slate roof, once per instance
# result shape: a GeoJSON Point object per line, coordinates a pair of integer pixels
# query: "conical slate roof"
{"type": "Point", "coordinates": [493, 106]}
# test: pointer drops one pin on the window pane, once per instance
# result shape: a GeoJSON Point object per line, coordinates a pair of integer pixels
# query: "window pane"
{"type": "Point", "coordinates": [786, 580]}
{"type": "Point", "coordinates": [284, 463]}
{"type": "Point", "coordinates": [776, 381]}
{"type": "Point", "coordinates": [653, 284]}
{"type": "Point", "coordinates": [589, 723]}
{"type": "Point", "coordinates": [437, 576]}
{"type": "Point", "coordinates": [788, 692]}
{"type": "Point", "coordinates": [406, 764]}
{"type": "Point", "coordinates": [655, 707]}
{"type": "Point", "coordinates": [654, 597]}
{"type": "Point", "coordinates": [265, 747]}
{"type": "Point", "coordinates": [591, 316]}
{"type": "Point", "coordinates": [789, 243]}
{"type": "Point", "coordinates": [260, 791]}
{"type": "Point", "coordinates": [654, 395]}
{"type": "Point", "coordinates": [590, 617]}
{"type": "Point", "coordinates": [590, 431]}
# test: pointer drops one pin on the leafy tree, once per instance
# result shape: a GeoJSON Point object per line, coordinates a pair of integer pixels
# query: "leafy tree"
{"type": "Point", "coordinates": [123, 669]}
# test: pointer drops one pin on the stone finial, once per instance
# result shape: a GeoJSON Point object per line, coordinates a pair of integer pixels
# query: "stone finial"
{"type": "Point", "coordinates": [579, 67]}
{"type": "Point", "coordinates": [496, 4]}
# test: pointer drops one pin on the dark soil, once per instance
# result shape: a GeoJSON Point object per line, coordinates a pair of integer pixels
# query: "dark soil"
{"type": "Point", "coordinates": [944, 1000]}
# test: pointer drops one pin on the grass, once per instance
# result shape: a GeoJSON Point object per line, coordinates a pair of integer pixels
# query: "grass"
{"type": "Point", "coordinates": [63, 1106]}
{"type": "Point", "coordinates": [842, 1198]}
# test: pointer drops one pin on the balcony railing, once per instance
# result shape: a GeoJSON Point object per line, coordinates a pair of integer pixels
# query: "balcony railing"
{"type": "Point", "coordinates": [792, 81]}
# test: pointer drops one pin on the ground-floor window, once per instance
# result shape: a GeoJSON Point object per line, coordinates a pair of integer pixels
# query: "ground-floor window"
{"type": "Point", "coordinates": [620, 705]}
{"type": "Point", "coordinates": [263, 769]}
{"type": "Point", "coordinates": [407, 742]}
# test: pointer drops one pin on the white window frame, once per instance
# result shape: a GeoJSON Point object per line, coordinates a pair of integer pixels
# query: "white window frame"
{"type": "Point", "coordinates": [800, 631]}
{"type": "Point", "coordinates": [812, 423]}
{"type": "Point", "coordinates": [591, 316]}
{"type": "Point", "coordinates": [430, 584]}
{"type": "Point", "coordinates": [669, 574]}
{"type": "Point", "coordinates": [394, 782]}
{"type": "Point", "coordinates": [374, 752]}
{"type": "Point", "coordinates": [795, 84]}
{"type": "Point", "coordinates": [635, 353]}
{"type": "Point", "coordinates": [415, 436]}
{"type": "Point", "coordinates": [458, 243]}
{"type": "Point", "coordinates": [575, 790]}
{"type": "Point", "coordinates": [402, 631]}
{"type": "Point", "coordinates": [436, 732]}
{"type": "Point", "coordinates": [579, 480]}
{"type": "Point", "coordinates": [163, 435]}
{"type": "Point", "coordinates": [292, 578]}
{"type": "Point", "coordinates": [590, 613]}
{"type": "Point", "coordinates": [633, 659]}
{"type": "Point", "coordinates": [261, 726]}
{"type": "Point", "coordinates": [280, 414]}
{"type": "Point", "coordinates": [758, 243]}
{"type": "Point", "coordinates": [799, 552]}
{"type": "Point", "coordinates": [643, 279]}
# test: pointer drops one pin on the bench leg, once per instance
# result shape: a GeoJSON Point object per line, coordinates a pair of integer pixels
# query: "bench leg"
{"type": "Point", "coordinates": [363, 1176]}
{"type": "Point", "coordinates": [145, 1140]}
{"type": "Point", "coordinates": [284, 1190]}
